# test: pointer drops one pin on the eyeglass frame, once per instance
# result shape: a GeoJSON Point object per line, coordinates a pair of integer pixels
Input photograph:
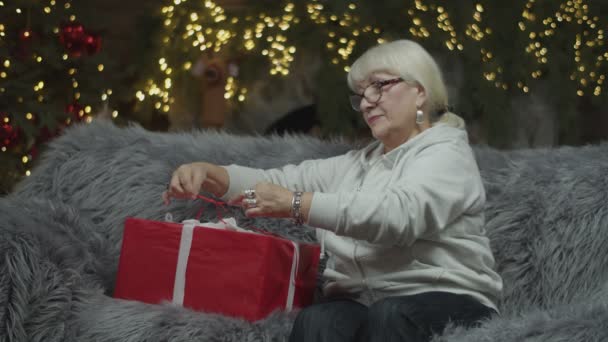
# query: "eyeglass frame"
{"type": "Point", "coordinates": [380, 84]}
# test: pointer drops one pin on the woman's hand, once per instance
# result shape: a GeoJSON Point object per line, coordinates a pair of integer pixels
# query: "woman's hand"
{"type": "Point", "coordinates": [186, 181]}
{"type": "Point", "coordinates": [270, 201]}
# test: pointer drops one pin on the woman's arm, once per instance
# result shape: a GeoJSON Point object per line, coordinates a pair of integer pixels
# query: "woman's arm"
{"type": "Point", "coordinates": [229, 182]}
{"type": "Point", "coordinates": [275, 187]}
{"type": "Point", "coordinates": [309, 175]}
{"type": "Point", "coordinates": [442, 184]}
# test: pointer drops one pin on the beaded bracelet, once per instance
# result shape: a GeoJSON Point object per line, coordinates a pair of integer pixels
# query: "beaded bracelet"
{"type": "Point", "coordinates": [296, 205]}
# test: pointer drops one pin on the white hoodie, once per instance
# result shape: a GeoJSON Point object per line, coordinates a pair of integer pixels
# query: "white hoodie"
{"type": "Point", "coordinates": [401, 223]}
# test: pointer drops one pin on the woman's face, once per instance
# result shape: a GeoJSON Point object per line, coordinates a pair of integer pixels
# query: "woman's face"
{"type": "Point", "coordinates": [392, 119]}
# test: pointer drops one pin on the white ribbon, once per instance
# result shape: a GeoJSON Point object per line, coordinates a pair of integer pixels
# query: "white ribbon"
{"type": "Point", "coordinates": [295, 261]}
{"type": "Point", "coordinates": [185, 246]}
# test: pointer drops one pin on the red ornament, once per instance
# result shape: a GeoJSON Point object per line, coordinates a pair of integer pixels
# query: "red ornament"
{"type": "Point", "coordinates": [9, 135]}
{"type": "Point", "coordinates": [73, 37]}
{"type": "Point", "coordinates": [93, 43]}
{"type": "Point", "coordinates": [77, 41]}
{"type": "Point", "coordinates": [45, 135]}
{"type": "Point", "coordinates": [76, 112]}
{"type": "Point", "coordinates": [75, 51]}
{"type": "Point", "coordinates": [71, 33]}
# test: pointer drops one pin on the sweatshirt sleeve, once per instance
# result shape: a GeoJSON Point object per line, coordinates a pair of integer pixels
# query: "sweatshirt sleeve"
{"type": "Point", "coordinates": [441, 184]}
{"type": "Point", "coordinates": [315, 175]}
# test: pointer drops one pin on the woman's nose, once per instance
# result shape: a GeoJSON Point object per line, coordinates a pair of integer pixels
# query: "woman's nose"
{"type": "Point", "coordinates": [366, 105]}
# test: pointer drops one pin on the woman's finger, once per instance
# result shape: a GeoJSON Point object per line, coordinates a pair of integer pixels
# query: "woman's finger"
{"type": "Point", "coordinates": [175, 186]}
{"type": "Point", "coordinates": [185, 181]}
{"type": "Point", "coordinates": [196, 183]}
{"type": "Point", "coordinates": [253, 212]}
{"type": "Point", "coordinates": [236, 200]}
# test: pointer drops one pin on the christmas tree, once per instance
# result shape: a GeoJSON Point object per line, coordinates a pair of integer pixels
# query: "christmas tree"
{"type": "Point", "coordinates": [53, 73]}
{"type": "Point", "coordinates": [506, 50]}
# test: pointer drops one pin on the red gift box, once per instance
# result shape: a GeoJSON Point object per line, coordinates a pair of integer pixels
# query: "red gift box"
{"type": "Point", "coordinates": [238, 274]}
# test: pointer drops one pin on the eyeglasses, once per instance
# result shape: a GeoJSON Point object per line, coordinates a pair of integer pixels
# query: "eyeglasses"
{"type": "Point", "coordinates": [372, 93]}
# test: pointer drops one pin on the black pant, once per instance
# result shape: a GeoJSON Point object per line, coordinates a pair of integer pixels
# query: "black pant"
{"type": "Point", "coordinates": [407, 318]}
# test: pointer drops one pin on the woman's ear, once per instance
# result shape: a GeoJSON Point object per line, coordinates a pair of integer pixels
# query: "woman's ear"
{"type": "Point", "coordinates": [420, 96]}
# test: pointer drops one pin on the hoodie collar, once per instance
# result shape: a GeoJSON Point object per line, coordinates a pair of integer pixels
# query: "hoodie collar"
{"type": "Point", "coordinates": [374, 151]}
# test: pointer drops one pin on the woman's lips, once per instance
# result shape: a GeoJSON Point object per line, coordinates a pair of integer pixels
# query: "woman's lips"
{"type": "Point", "coordinates": [371, 119]}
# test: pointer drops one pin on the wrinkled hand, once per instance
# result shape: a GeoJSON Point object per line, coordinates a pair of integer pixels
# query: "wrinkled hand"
{"type": "Point", "coordinates": [271, 201]}
{"type": "Point", "coordinates": [186, 182]}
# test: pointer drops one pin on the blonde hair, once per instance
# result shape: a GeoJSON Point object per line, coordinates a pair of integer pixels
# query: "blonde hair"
{"type": "Point", "coordinates": [415, 65]}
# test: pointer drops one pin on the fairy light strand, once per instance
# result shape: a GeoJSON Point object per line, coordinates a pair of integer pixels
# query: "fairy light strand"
{"type": "Point", "coordinates": [211, 29]}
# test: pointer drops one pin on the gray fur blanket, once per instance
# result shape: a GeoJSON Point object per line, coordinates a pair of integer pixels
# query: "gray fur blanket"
{"type": "Point", "coordinates": [547, 217]}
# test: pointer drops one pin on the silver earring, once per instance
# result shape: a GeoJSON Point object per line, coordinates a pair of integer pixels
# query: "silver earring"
{"type": "Point", "coordinates": [419, 116]}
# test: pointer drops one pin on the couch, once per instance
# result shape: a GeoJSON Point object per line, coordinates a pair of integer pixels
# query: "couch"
{"type": "Point", "coordinates": [61, 230]}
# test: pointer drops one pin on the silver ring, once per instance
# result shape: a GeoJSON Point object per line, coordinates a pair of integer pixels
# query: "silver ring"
{"type": "Point", "coordinates": [250, 193]}
{"type": "Point", "coordinates": [251, 202]}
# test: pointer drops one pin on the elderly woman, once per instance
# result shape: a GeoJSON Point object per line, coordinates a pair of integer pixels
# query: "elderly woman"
{"type": "Point", "coordinates": [401, 220]}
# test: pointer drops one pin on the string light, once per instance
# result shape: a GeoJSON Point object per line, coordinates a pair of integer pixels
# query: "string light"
{"type": "Point", "coordinates": [444, 23]}
{"type": "Point", "coordinates": [587, 64]}
{"type": "Point", "coordinates": [592, 37]}
{"type": "Point", "coordinates": [268, 35]}
{"type": "Point", "coordinates": [197, 34]}
{"type": "Point", "coordinates": [280, 55]}
{"type": "Point", "coordinates": [535, 47]}
{"type": "Point", "coordinates": [229, 88]}
{"type": "Point", "coordinates": [275, 47]}
{"type": "Point", "coordinates": [418, 29]}
{"type": "Point", "coordinates": [242, 94]}
{"type": "Point", "coordinates": [342, 41]}
{"type": "Point", "coordinates": [475, 30]}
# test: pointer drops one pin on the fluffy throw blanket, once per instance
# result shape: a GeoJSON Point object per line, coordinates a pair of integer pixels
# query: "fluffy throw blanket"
{"type": "Point", "coordinates": [60, 235]}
